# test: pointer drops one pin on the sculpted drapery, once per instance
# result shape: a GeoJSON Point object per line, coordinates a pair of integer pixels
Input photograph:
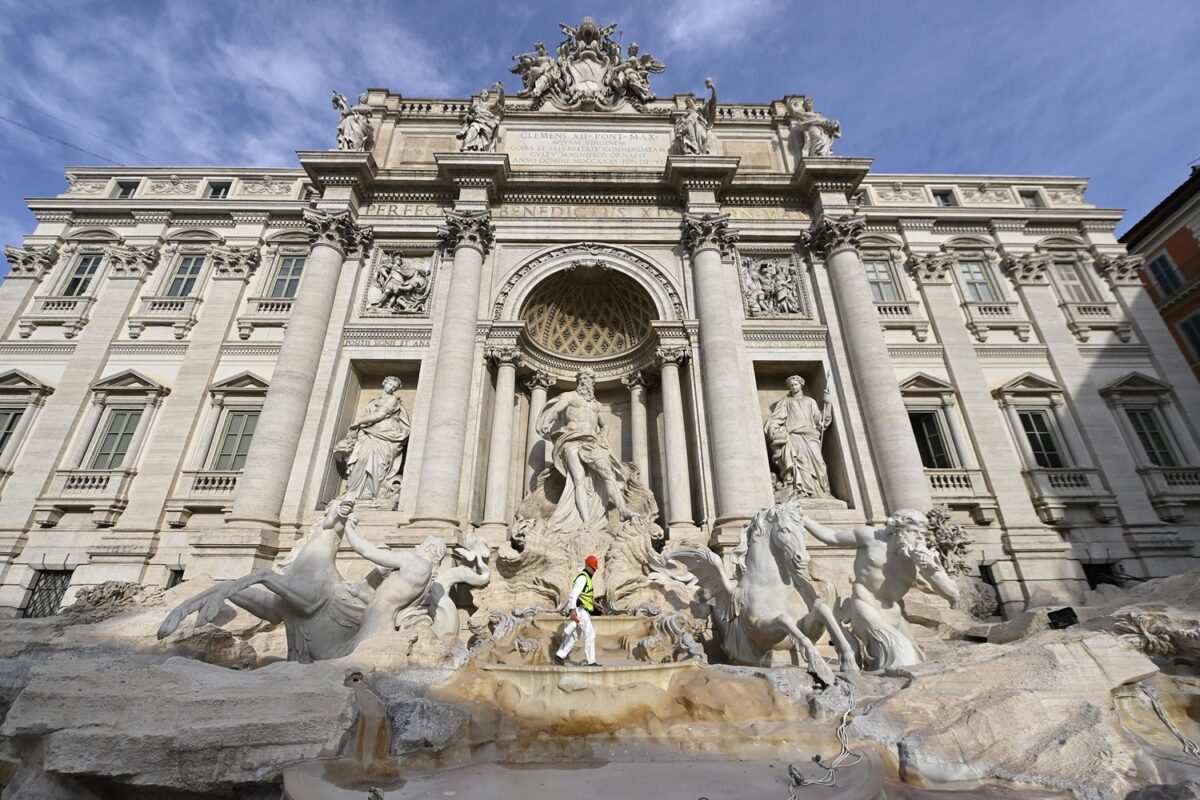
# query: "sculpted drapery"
{"type": "Point", "coordinates": [795, 430]}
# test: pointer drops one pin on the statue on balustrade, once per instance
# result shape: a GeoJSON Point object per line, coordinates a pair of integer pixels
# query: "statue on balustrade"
{"type": "Point", "coordinates": [795, 430]}
{"type": "Point", "coordinates": [354, 131]}
{"type": "Point", "coordinates": [482, 121]}
{"type": "Point", "coordinates": [694, 126]}
{"type": "Point", "coordinates": [812, 131]}
{"type": "Point", "coordinates": [886, 565]}
{"type": "Point", "coordinates": [371, 455]}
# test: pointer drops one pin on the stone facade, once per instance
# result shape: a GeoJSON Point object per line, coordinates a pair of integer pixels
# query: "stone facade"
{"type": "Point", "coordinates": [182, 350]}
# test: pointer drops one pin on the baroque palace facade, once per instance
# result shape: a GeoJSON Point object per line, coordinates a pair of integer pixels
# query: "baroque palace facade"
{"type": "Point", "coordinates": [192, 361]}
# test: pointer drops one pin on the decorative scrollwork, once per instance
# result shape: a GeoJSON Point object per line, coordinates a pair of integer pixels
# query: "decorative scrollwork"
{"type": "Point", "coordinates": [708, 231]}
{"type": "Point", "coordinates": [931, 267]}
{"type": "Point", "coordinates": [834, 234]}
{"type": "Point", "coordinates": [30, 262]}
{"type": "Point", "coordinates": [468, 229]}
{"type": "Point", "coordinates": [339, 230]}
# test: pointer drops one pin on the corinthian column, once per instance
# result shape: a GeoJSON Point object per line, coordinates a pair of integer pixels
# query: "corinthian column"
{"type": "Point", "coordinates": [535, 455]}
{"type": "Point", "coordinates": [734, 458]}
{"type": "Point", "coordinates": [469, 234]}
{"type": "Point", "coordinates": [889, 431]}
{"type": "Point", "coordinates": [679, 487]}
{"type": "Point", "coordinates": [636, 383]}
{"type": "Point", "coordinates": [332, 235]}
{"type": "Point", "coordinates": [495, 509]}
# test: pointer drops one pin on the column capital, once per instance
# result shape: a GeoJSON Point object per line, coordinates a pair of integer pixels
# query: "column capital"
{"type": "Point", "coordinates": [472, 229]}
{"type": "Point", "coordinates": [29, 261]}
{"type": "Point", "coordinates": [831, 235]}
{"type": "Point", "coordinates": [710, 231]}
{"type": "Point", "coordinates": [127, 262]}
{"type": "Point", "coordinates": [1028, 269]}
{"type": "Point", "coordinates": [927, 268]}
{"type": "Point", "coordinates": [339, 230]}
{"type": "Point", "coordinates": [637, 380]}
{"type": "Point", "coordinates": [234, 263]}
{"type": "Point", "coordinates": [503, 356]}
{"type": "Point", "coordinates": [1122, 270]}
{"type": "Point", "coordinates": [537, 380]}
{"type": "Point", "coordinates": [674, 356]}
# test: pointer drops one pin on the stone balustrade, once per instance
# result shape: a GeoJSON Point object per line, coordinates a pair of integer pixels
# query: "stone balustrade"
{"type": "Point", "coordinates": [206, 490]}
{"type": "Point", "coordinates": [1083, 318]}
{"type": "Point", "coordinates": [69, 312]}
{"type": "Point", "coordinates": [983, 317]}
{"type": "Point", "coordinates": [102, 492]}
{"type": "Point", "coordinates": [178, 312]}
{"type": "Point", "coordinates": [266, 312]}
{"type": "Point", "coordinates": [1055, 490]}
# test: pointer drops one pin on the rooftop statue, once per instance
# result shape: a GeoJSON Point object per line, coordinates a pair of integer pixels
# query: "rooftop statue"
{"type": "Point", "coordinates": [773, 600]}
{"type": "Point", "coordinates": [482, 121]}
{"type": "Point", "coordinates": [813, 132]}
{"type": "Point", "coordinates": [355, 131]}
{"type": "Point", "coordinates": [694, 125]}
{"type": "Point", "coordinates": [589, 72]}
{"type": "Point", "coordinates": [885, 568]}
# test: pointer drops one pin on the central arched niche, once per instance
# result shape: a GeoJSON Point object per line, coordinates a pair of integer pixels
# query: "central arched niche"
{"type": "Point", "coordinates": [589, 313]}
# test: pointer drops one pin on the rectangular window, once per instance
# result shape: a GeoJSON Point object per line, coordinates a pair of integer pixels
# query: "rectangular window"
{"type": "Point", "coordinates": [931, 440]}
{"type": "Point", "coordinates": [879, 275]}
{"type": "Point", "coordinates": [235, 440]}
{"type": "Point", "coordinates": [287, 278]}
{"type": "Point", "coordinates": [1046, 452]}
{"type": "Point", "coordinates": [1074, 286]}
{"type": "Point", "coordinates": [1031, 200]}
{"type": "Point", "coordinates": [218, 190]}
{"type": "Point", "coordinates": [944, 198]}
{"type": "Point", "coordinates": [1165, 276]}
{"type": "Point", "coordinates": [48, 589]}
{"type": "Point", "coordinates": [174, 578]}
{"type": "Point", "coordinates": [976, 282]}
{"type": "Point", "coordinates": [9, 417]}
{"type": "Point", "coordinates": [1190, 328]}
{"type": "Point", "coordinates": [126, 189]}
{"type": "Point", "coordinates": [1150, 434]}
{"type": "Point", "coordinates": [81, 276]}
{"type": "Point", "coordinates": [114, 442]}
{"type": "Point", "coordinates": [183, 282]}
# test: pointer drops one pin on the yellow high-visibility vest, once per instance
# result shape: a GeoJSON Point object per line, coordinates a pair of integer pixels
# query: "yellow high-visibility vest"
{"type": "Point", "coordinates": [586, 597]}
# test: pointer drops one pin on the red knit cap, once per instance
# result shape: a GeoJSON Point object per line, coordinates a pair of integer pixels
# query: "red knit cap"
{"type": "Point", "coordinates": [592, 562]}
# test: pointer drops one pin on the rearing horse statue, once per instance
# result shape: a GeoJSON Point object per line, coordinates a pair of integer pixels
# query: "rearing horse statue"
{"type": "Point", "coordinates": [773, 598]}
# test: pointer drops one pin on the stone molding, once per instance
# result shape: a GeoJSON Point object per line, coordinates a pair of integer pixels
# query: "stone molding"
{"type": "Point", "coordinates": [537, 380]}
{"type": "Point", "coordinates": [472, 229]}
{"type": "Point", "coordinates": [831, 235]}
{"type": "Point", "coordinates": [710, 231]}
{"type": "Point", "coordinates": [234, 263]}
{"type": "Point", "coordinates": [127, 262]}
{"type": "Point", "coordinates": [29, 261]}
{"type": "Point", "coordinates": [339, 230]}
{"type": "Point", "coordinates": [1028, 269]}
{"type": "Point", "coordinates": [929, 268]}
{"type": "Point", "coordinates": [499, 356]}
{"type": "Point", "coordinates": [672, 355]}
{"type": "Point", "coordinates": [1124, 270]}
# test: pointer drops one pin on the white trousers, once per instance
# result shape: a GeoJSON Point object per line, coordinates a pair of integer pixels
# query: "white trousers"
{"type": "Point", "coordinates": [571, 636]}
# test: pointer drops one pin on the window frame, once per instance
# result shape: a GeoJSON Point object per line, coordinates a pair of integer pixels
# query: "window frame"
{"type": "Point", "coordinates": [218, 189]}
{"type": "Point", "coordinates": [125, 390]}
{"type": "Point", "coordinates": [1031, 194]}
{"type": "Point", "coordinates": [1165, 447]}
{"type": "Point", "coordinates": [276, 276]}
{"type": "Point", "coordinates": [1083, 273]}
{"type": "Point", "coordinates": [989, 279]}
{"type": "Point", "coordinates": [126, 189]}
{"type": "Point", "coordinates": [105, 430]}
{"type": "Point", "coordinates": [228, 414]}
{"type": "Point", "coordinates": [937, 193]}
{"type": "Point", "coordinates": [942, 430]}
{"type": "Point", "coordinates": [73, 264]}
{"type": "Point", "coordinates": [1192, 341]}
{"type": "Point", "coordinates": [1052, 434]}
{"type": "Point", "coordinates": [1172, 269]}
{"type": "Point", "coordinates": [19, 391]}
{"type": "Point", "coordinates": [888, 259]}
{"type": "Point", "coordinates": [191, 283]}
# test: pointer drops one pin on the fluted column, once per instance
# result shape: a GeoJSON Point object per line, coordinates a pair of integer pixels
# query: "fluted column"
{"type": "Point", "coordinates": [637, 384]}
{"type": "Point", "coordinates": [469, 235]}
{"type": "Point", "coordinates": [495, 509]}
{"type": "Point", "coordinates": [535, 456]}
{"type": "Point", "coordinates": [889, 431]}
{"type": "Point", "coordinates": [679, 487]}
{"type": "Point", "coordinates": [332, 235]}
{"type": "Point", "coordinates": [735, 464]}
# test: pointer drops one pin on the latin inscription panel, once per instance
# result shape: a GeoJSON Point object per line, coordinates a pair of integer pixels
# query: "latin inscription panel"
{"type": "Point", "coordinates": [600, 149]}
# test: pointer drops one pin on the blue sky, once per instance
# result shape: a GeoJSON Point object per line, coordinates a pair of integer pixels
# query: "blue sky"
{"type": "Point", "coordinates": [1103, 89]}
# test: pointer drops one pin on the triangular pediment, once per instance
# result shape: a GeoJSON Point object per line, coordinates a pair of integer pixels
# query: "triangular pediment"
{"type": "Point", "coordinates": [1137, 382]}
{"type": "Point", "coordinates": [129, 380]}
{"type": "Point", "coordinates": [1029, 383]}
{"type": "Point", "coordinates": [14, 381]}
{"type": "Point", "coordinates": [924, 382]}
{"type": "Point", "coordinates": [242, 382]}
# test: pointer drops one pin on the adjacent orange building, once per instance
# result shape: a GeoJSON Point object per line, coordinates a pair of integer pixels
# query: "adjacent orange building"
{"type": "Point", "coordinates": [1169, 239]}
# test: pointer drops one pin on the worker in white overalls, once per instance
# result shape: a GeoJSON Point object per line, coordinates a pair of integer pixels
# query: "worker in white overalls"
{"type": "Point", "coordinates": [580, 607]}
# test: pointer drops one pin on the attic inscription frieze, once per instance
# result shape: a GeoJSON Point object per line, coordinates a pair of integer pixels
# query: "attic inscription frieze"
{"type": "Point", "coordinates": [595, 148]}
{"type": "Point", "coordinates": [580, 211]}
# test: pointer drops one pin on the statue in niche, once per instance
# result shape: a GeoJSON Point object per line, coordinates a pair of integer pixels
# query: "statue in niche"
{"type": "Point", "coordinates": [795, 430]}
{"type": "Point", "coordinates": [538, 70]}
{"type": "Point", "coordinates": [325, 615]}
{"type": "Point", "coordinates": [595, 477]}
{"type": "Point", "coordinates": [692, 129]}
{"type": "Point", "coordinates": [814, 133]}
{"type": "Point", "coordinates": [632, 75]}
{"type": "Point", "coordinates": [372, 453]}
{"type": "Point", "coordinates": [400, 287]}
{"type": "Point", "coordinates": [482, 120]}
{"type": "Point", "coordinates": [885, 568]}
{"type": "Point", "coordinates": [354, 129]}
{"type": "Point", "coordinates": [770, 288]}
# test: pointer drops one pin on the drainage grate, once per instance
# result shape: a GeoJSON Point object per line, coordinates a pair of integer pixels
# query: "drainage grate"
{"type": "Point", "coordinates": [48, 591]}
